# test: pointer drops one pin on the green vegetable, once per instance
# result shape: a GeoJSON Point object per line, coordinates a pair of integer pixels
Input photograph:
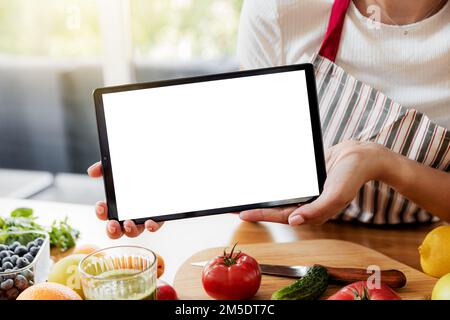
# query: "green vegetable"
{"type": "Point", "coordinates": [310, 287]}
{"type": "Point", "coordinates": [61, 234]}
{"type": "Point", "coordinates": [22, 212]}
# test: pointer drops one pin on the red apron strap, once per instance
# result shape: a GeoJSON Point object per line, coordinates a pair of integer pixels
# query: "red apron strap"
{"type": "Point", "coordinates": [330, 44]}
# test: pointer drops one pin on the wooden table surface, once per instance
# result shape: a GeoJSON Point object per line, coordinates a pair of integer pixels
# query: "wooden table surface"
{"type": "Point", "coordinates": [180, 239]}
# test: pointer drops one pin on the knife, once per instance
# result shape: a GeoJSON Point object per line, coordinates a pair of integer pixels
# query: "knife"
{"type": "Point", "coordinates": [393, 278]}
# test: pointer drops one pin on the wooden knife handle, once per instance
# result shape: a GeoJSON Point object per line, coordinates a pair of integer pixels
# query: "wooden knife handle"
{"type": "Point", "coordinates": [393, 278]}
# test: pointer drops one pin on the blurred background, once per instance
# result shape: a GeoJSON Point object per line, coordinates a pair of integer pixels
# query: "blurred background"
{"type": "Point", "coordinates": [53, 53]}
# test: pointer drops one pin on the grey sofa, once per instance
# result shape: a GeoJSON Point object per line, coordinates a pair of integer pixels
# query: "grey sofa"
{"type": "Point", "coordinates": [47, 119]}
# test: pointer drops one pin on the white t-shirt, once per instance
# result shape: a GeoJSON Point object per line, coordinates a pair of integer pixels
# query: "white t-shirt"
{"type": "Point", "coordinates": [412, 69]}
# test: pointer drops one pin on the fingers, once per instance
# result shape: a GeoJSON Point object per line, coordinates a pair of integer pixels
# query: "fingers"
{"type": "Point", "coordinates": [279, 215]}
{"type": "Point", "coordinates": [131, 229]}
{"type": "Point", "coordinates": [296, 219]}
{"type": "Point", "coordinates": [318, 211]}
{"type": "Point", "coordinates": [113, 229]}
{"type": "Point", "coordinates": [153, 226]}
{"type": "Point", "coordinates": [95, 171]}
{"type": "Point", "coordinates": [101, 210]}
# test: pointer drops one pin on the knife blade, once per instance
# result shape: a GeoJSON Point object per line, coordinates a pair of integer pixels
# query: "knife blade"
{"type": "Point", "coordinates": [394, 278]}
{"type": "Point", "coordinates": [273, 270]}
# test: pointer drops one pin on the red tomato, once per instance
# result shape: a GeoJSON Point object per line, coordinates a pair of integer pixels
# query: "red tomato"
{"type": "Point", "coordinates": [165, 291]}
{"type": "Point", "coordinates": [233, 276]}
{"type": "Point", "coordinates": [360, 291]}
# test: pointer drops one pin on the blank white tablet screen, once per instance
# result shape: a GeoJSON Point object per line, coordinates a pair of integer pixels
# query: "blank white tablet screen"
{"type": "Point", "coordinates": [211, 145]}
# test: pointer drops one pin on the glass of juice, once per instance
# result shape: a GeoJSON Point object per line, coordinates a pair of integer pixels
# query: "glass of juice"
{"type": "Point", "coordinates": [119, 273]}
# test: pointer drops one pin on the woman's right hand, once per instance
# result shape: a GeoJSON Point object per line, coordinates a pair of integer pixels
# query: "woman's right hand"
{"type": "Point", "coordinates": [113, 228]}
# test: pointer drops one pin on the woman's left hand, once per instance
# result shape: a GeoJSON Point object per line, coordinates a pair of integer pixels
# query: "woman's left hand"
{"type": "Point", "coordinates": [350, 165]}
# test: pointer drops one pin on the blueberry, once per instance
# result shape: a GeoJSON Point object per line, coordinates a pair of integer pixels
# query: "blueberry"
{"type": "Point", "coordinates": [14, 245]}
{"type": "Point", "coordinates": [5, 260]}
{"type": "Point", "coordinates": [30, 244]}
{"type": "Point", "coordinates": [28, 274]}
{"type": "Point", "coordinates": [2, 279]}
{"type": "Point", "coordinates": [22, 262]}
{"type": "Point", "coordinates": [29, 257]}
{"type": "Point", "coordinates": [39, 241]}
{"type": "Point", "coordinates": [12, 294]}
{"type": "Point", "coordinates": [34, 250]}
{"type": "Point", "coordinates": [3, 247]}
{"type": "Point", "coordinates": [20, 250]}
{"type": "Point", "coordinates": [14, 258]}
{"type": "Point", "coordinates": [7, 271]}
{"type": "Point", "coordinates": [8, 265]}
{"type": "Point", "coordinates": [9, 276]}
{"type": "Point", "coordinates": [10, 252]}
{"type": "Point", "coordinates": [7, 284]}
{"type": "Point", "coordinates": [30, 283]}
{"type": "Point", "coordinates": [20, 282]}
{"type": "Point", "coordinates": [4, 254]}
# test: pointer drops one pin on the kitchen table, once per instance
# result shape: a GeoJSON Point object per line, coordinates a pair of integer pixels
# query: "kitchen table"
{"type": "Point", "coordinates": [178, 240]}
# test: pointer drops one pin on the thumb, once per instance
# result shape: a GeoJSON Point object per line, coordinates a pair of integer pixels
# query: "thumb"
{"type": "Point", "coordinates": [320, 210]}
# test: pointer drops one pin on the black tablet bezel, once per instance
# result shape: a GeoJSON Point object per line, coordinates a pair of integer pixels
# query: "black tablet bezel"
{"type": "Point", "coordinates": [315, 125]}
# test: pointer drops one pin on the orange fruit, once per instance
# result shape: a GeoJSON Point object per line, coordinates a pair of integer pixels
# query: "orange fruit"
{"type": "Point", "coordinates": [48, 291]}
{"type": "Point", "coordinates": [161, 265]}
{"type": "Point", "coordinates": [85, 249]}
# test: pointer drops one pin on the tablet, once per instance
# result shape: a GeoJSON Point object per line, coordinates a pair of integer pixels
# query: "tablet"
{"type": "Point", "coordinates": [212, 144]}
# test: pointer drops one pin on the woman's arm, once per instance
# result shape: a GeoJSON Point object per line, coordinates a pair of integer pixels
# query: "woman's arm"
{"type": "Point", "coordinates": [349, 166]}
{"type": "Point", "coordinates": [426, 186]}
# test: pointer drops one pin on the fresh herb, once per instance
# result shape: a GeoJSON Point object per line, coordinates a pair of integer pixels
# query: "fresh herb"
{"type": "Point", "coordinates": [62, 235]}
{"type": "Point", "coordinates": [22, 212]}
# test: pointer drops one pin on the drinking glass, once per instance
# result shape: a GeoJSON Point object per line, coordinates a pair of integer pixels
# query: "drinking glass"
{"type": "Point", "coordinates": [119, 273]}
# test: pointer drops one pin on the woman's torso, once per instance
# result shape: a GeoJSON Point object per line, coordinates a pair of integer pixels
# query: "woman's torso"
{"type": "Point", "coordinates": [410, 64]}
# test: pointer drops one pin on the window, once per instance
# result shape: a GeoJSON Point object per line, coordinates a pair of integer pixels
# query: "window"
{"type": "Point", "coordinates": [160, 29]}
{"type": "Point", "coordinates": [53, 53]}
{"type": "Point", "coordinates": [51, 28]}
{"type": "Point", "coordinates": [184, 29]}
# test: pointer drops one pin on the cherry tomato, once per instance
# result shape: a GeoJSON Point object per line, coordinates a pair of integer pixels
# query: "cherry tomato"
{"type": "Point", "coordinates": [233, 276]}
{"type": "Point", "coordinates": [165, 291]}
{"type": "Point", "coordinates": [360, 291]}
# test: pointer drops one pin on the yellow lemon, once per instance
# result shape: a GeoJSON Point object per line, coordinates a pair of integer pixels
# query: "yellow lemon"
{"type": "Point", "coordinates": [435, 252]}
{"type": "Point", "coordinates": [441, 290]}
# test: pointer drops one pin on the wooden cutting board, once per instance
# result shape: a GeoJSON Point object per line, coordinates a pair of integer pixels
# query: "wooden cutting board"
{"type": "Point", "coordinates": [334, 253]}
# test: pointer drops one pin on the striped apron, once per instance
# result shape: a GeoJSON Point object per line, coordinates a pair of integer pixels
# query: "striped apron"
{"type": "Point", "coordinates": [352, 110]}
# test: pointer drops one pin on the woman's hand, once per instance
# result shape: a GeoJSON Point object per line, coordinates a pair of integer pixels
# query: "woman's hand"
{"type": "Point", "coordinates": [350, 165]}
{"type": "Point", "coordinates": [113, 228]}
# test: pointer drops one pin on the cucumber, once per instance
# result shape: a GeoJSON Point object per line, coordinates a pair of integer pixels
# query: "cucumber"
{"type": "Point", "coordinates": [309, 287]}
